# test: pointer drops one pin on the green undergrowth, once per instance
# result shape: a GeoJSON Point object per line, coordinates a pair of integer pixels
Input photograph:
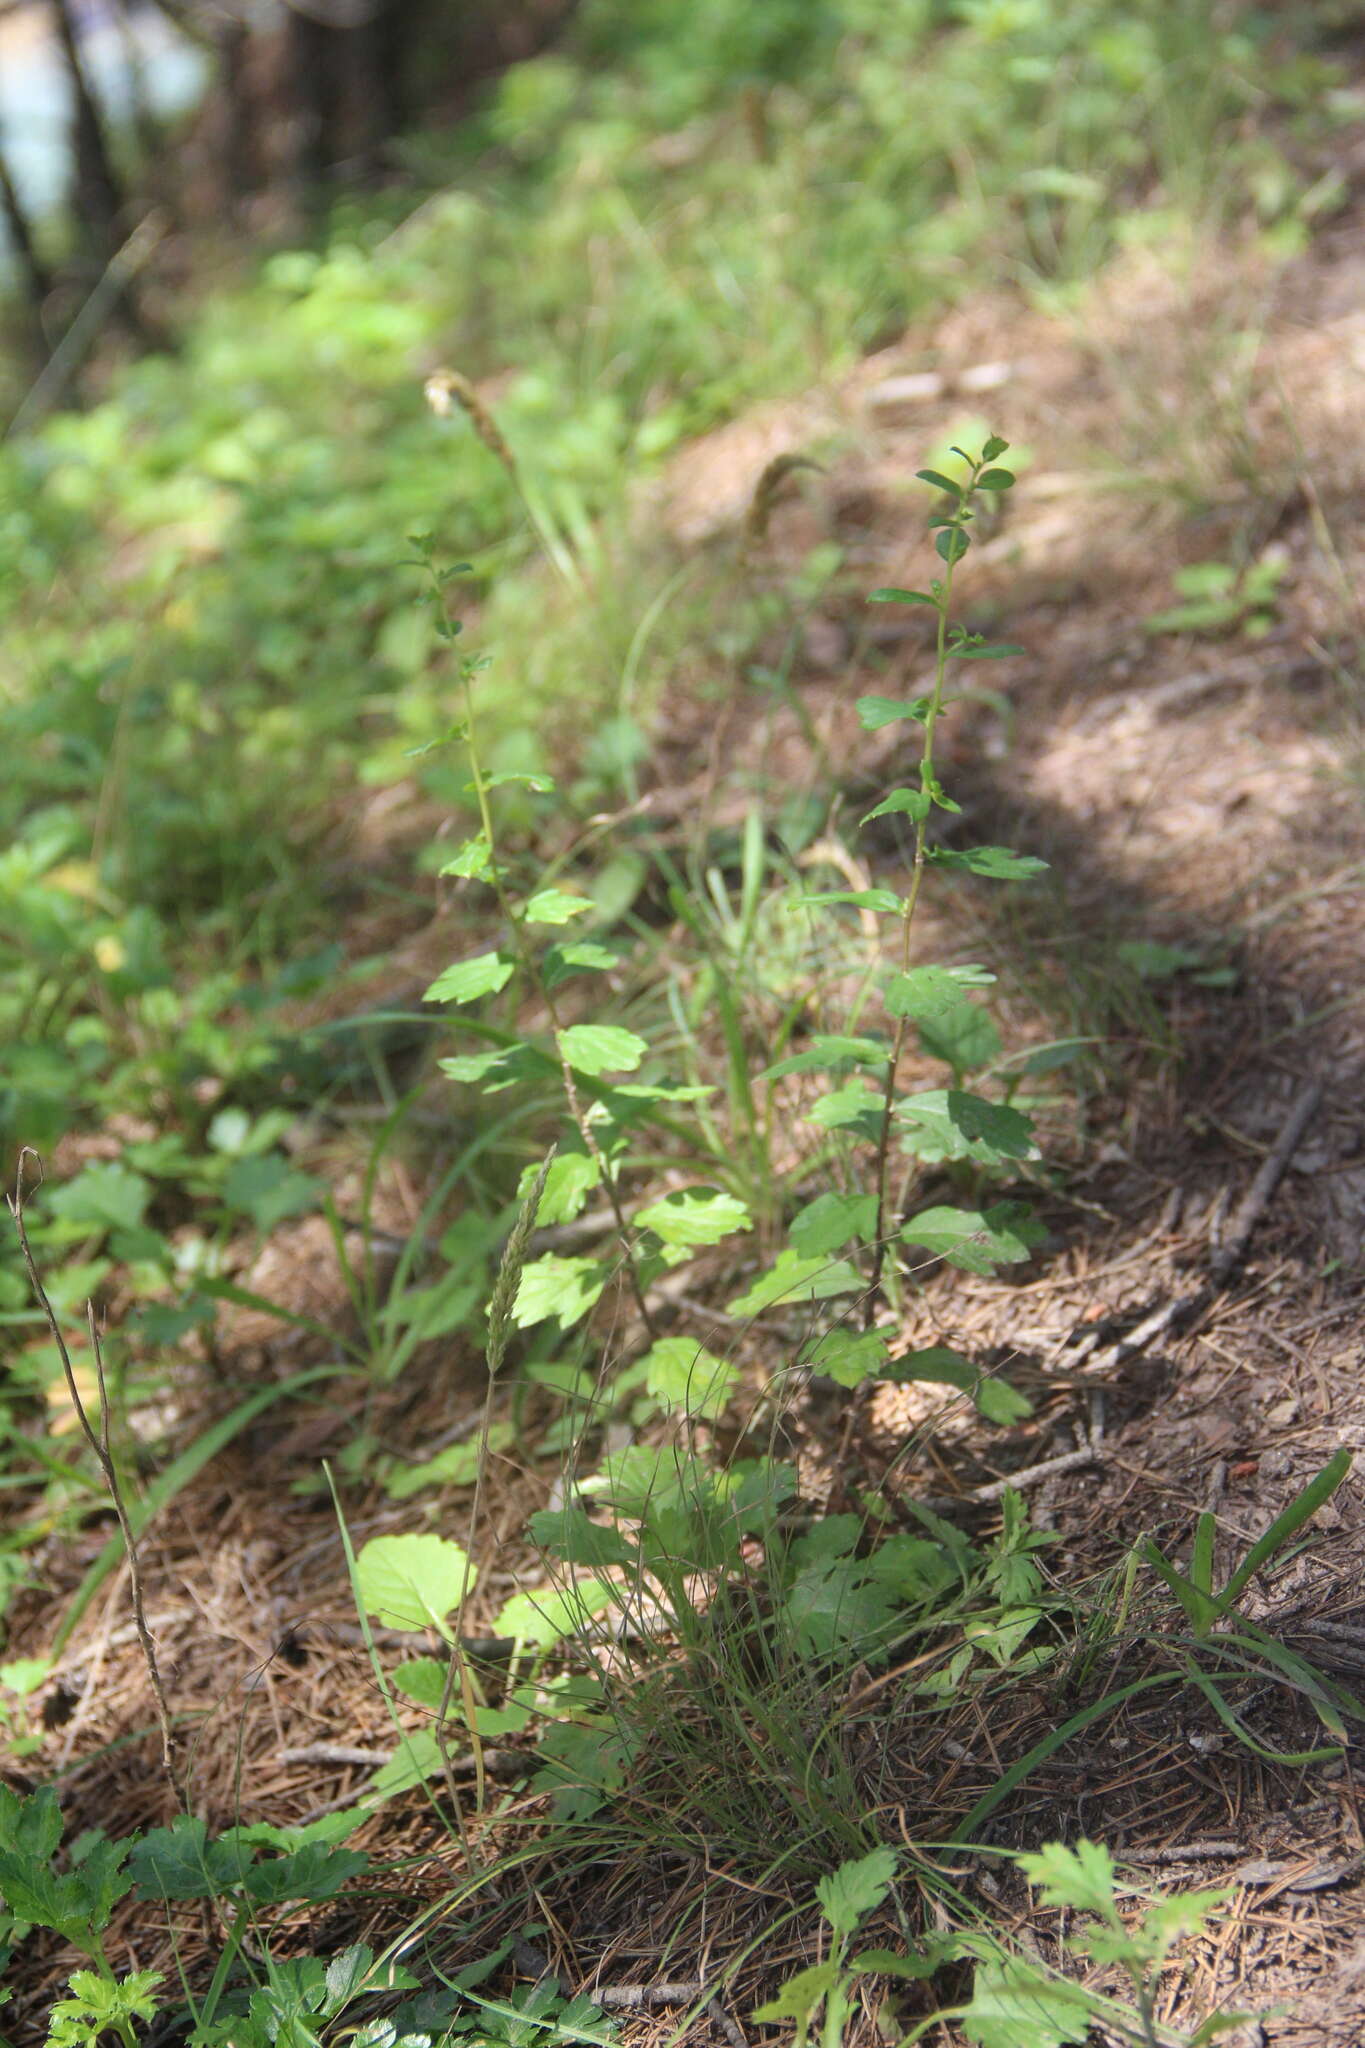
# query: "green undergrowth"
{"type": "Point", "coordinates": [210, 668]}
{"type": "Point", "coordinates": [637, 237]}
{"type": "Point", "coordinates": [716, 1067]}
{"type": "Point", "coordinates": [701, 1664]}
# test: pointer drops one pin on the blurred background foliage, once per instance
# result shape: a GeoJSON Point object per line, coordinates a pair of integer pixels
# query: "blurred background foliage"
{"type": "Point", "coordinates": [626, 222]}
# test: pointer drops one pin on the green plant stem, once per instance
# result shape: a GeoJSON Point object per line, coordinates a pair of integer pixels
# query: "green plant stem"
{"type": "Point", "coordinates": [944, 595]}
{"type": "Point", "coordinates": [575, 1101]}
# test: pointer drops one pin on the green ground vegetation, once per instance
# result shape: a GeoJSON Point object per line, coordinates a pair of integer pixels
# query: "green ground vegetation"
{"type": "Point", "coordinates": [268, 577]}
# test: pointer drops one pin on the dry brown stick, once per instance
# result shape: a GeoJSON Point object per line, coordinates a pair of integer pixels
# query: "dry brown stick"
{"type": "Point", "coordinates": [728, 2025]}
{"type": "Point", "coordinates": [631, 1997]}
{"type": "Point", "coordinates": [1068, 1461]}
{"type": "Point", "coordinates": [334, 1753]}
{"type": "Point", "coordinates": [99, 1444]}
{"type": "Point", "coordinates": [1268, 1176]}
{"type": "Point", "coordinates": [1172, 1314]}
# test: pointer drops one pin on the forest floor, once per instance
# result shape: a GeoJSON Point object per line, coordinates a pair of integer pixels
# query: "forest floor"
{"type": "Point", "coordinates": [1197, 794]}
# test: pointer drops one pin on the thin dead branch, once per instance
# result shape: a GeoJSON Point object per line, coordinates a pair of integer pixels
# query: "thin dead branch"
{"type": "Point", "coordinates": [99, 1444]}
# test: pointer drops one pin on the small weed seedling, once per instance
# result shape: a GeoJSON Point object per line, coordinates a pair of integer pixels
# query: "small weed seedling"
{"type": "Point", "coordinates": [826, 1991]}
{"type": "Point", "coordinates": [1018, 2004]}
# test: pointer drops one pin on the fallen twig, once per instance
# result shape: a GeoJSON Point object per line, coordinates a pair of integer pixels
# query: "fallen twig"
{"type": "Point", "coordinates": [1048, 1468]}
{"type": "Point", "coordinates": [631, 1997]}
{"type": "Point", "coordinates": [1171, 1315]}
{"type": "Point", "coordinates": [1271, 1171]}
{"type": "Point", "coordinates": [728, 2025]}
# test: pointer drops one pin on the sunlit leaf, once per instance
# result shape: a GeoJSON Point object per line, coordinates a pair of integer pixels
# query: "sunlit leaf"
{"type": "Point", "coordinates": [601, 1048]}
{"type": "Point", "coordinates": [694, 1216]}
{"type": "Point", "coordinates": [467, 980]}
{"type": "Point", "coordinates": [554, 1286]}
{"type": "Point", "coordinates": [554, 906]}
{"type": "Point", "coordinates": [413, 1581]}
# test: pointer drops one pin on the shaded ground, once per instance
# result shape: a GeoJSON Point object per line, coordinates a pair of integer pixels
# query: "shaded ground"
{"type": "Point", "coordinates": [1196, 793]}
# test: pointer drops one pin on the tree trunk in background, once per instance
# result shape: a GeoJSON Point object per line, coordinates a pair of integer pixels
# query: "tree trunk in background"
{"type": "Point", "coordinates": [37, 282]}
{"type": "Point", "coordinates": [385, 49]}
{"type": "Point", "coordinates": [314, 68]}
{"type": "Point", "coordinates": [236, 152]}
{"type": "Point", "coordinates": [95, 193]}
{"type": "Point", "coordinates": [146, 127]}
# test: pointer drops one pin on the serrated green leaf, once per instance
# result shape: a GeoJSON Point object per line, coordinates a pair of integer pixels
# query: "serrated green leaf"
{"type": "Point", "coordinates": [1016, 2005]}
{"type": "Point", "coordinates": [884, 1962]}
{"type": "Point", "coordinates": [911, 803]}
{"type": "Point", "coordinates": [925, 993]}
{"type": "Point", "coordinates": [544, 1617]}
{"type": "Point", "coordinates": [996, 863]}
{"type": "Point", "coordinates": [580, 1768]}
{"type": "Point", "coordinates": [835, 1607]}
{"type": "Point", "coordinates": [974, 1239]}
{"type": "Point", "coordinates": [467, 980]}
{"type": "Point", "coordinates": [1001, 1403]}
{"type": "Point", "coordinates": [103, 1196]}
{"type": "Point", "coordinates": [884, 901]}
{"type": "Point", "coordinates": [413, 1581]}
{"type": "Point", "coordinates": [848, 1357]}
{"type": "Point", "coordinates": [644, 1480]}
{"type": "Point", "coordinates": [472, 860]}
{"type": "Point", "coordinates": [554, 906]}
{"type": "Point", "coordinates": [417, 1758]}
{"type": "Point", "coordinates": [685, 1378]}
{"type": "Point", "coordinates": [828, 1222]}
{"type": "Point", "coordinates": [553, 1286]}
{"type": "Point", "coordinates": [34, 1892]}
{"type": "Point", "coordinates": [832, 1055]}
{"type": "Point", "coordinates": [854, 1108]}
{"type": "Point", "coordinates": [799, 1996]}
{"type": "Point", "coordinates": [421, 1679]}
{"type": "Point", "coordinates": [31, 1826]}
{"type": "Point", "coordinates": [875, 712]}
{"type": "Point", "coordinates": [265, 1187]}
{"type": "Point", "coordinates": [847, 1895]}
{"type": "Point", "coordinates": [937, 1364]}
{"type": "Point", "coordinates": [601, 1048]}
{"type": "Point", "coordinates": [694, 1216]}
{"type": "Point", "coordinates": [1082, 1878]}
{"type": "Point", "coordinates": [569, 1534]}
{"type": "Point", "coordinates": [947, 1123]}
{"type": "Point", "coordinates": [571, 1178]}
{"type": "Point", "coordinates": [315, 1871]}
{"type": "Point", "coordinates": [583, 956]}
{"type": "Point", "coordinates": [96, 2006]}
{"type": "Point", "coordinates": [180, 1862]}
{"type": "Point", "coordinates": [498, 1069]}
{"type": "Point", "coordinates": [792, 1278]}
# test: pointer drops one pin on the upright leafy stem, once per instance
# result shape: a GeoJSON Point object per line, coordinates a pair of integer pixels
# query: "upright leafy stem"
{"type": "Point", "coordinates": [951, 541]}
{"type": "Point", "coordinates": [517, 925]}
{"type": "Point", "coordinates": [478, 860]}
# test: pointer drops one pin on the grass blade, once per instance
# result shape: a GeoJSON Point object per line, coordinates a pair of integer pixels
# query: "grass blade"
{"type": "Point", "coordinates": [1300, 1510]}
